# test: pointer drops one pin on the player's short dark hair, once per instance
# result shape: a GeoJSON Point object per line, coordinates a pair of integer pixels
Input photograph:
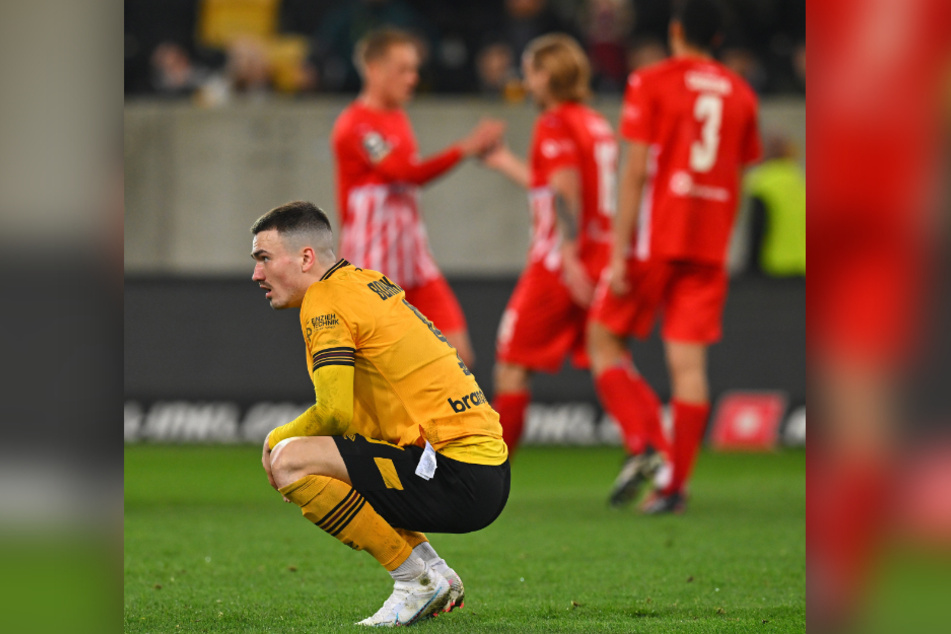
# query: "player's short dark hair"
{"type": "Point", "coordinates": [702, 21]}
{"type": "Point", "coordinates": [293, 217]}
{"type": "Point", "coordinates": [377, 43]}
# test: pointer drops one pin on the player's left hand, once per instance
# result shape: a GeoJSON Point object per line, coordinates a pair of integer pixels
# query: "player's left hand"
{"type": "Point", "coordinates": [266, 463]}
{"type": "Point", "coordinates": [617, 276]}
{"type": "Point", "coordinates": [496, 157]}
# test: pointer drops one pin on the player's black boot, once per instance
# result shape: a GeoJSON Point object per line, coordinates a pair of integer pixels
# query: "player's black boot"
{"type": "Point", "coordinates": [636, 470]}
{"type": "Point", "coordinates": [660, 504]}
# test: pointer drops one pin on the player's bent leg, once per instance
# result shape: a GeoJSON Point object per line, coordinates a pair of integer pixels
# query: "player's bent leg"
{"type": "Point", "coordinates": [686, 362]}
{"type": "Point", "coordinates": [624, 393]}
{"type": "Point", "coordinates": [635, 407]}
{"type": "Point", "coordinates": [312, 475]}
{"type": "Point", "coordinates": [605, 348]}
{"type": "Point", "coordinates": [459, 498]}
{"type": "Point", "coordinates": [511, 398]}
{"type": "Point", "coordinates": [294, 458]}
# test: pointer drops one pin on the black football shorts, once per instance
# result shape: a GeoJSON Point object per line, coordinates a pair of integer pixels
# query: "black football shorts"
{"type": "Point", "coordinates": [460, 498]}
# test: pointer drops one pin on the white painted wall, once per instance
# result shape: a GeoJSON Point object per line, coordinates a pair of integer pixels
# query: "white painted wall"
{"type": "Point", "coordinates": [195, 180]}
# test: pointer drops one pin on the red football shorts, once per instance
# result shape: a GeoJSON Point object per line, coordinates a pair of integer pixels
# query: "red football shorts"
{"type": "Point", "coordinates": [437, 301]}
{"type": "Point", "coordinates": [541, 325]}
{"type": "Point", "coordinates": [690, 296]}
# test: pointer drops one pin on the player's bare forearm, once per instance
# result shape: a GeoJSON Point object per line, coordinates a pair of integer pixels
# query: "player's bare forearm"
{"type": "Point", "coordinates": [566, 187]}
{"type": "Point", "coordinates": [633, 178]}
{"type": "Point", "coordinates": [506, 163]}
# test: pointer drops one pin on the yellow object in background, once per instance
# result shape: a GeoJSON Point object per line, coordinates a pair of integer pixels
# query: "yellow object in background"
{"type": "Point", "coordinates": [221, 21]}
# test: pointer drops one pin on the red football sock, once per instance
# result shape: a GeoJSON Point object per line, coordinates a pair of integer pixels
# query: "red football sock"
{"type": "Point", "coordinates": [690, 421]}
{"type": "Point", "coordinates": [511, 407]}
{"type": "Point", "coordinates": [848, 497]}
{"type": "Point", "coordinates": [634, 405]}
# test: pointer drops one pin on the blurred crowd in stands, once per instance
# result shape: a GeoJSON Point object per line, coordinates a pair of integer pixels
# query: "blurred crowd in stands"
{"type": "Point", "coordinates": [214, 50]}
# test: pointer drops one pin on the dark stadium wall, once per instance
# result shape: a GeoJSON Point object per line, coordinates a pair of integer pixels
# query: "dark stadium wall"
{"type": "Point", "coordinates": [207, 359]}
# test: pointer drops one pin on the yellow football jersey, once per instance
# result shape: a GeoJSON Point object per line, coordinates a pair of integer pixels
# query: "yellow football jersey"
{"type": "Point", "coordinates": [409, 384]}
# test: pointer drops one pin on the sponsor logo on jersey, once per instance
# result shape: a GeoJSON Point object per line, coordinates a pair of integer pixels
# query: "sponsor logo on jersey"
{"type": "Point", "coordinates": [376, 146]}
{"type": "Point", "coordinates": [468, 401]}
{"type": "Point", "coordinates": [384, 288]}
{"type": "Point", "coordinates": [551, 148]}
{"type": "Point", "coordinates": [320, 322]}
{"type": "Point", "coordinates": [599, 127]}
{"type": "Point", "coordinates": [630, 112]}
{"type": "Point", "coordinates": [681, 184]}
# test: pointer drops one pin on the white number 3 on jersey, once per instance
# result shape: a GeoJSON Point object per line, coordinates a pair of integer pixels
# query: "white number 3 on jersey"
{"type": "Point", "coordinates": [708, 110]}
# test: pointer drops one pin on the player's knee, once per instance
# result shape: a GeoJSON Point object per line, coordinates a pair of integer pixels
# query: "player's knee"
{"type": "Point", "coordinates": [510, 378]}
{"type": "Point", "coordinates": [294, 458]}
{"type": "Point", "coordinates": [289, 461]}
{"type": "Point", "coordinates": [283, 461]}
{"type": "Point", "coordinates": [604, 347]}
{"type": "Point", "coordinates": [689, 384]}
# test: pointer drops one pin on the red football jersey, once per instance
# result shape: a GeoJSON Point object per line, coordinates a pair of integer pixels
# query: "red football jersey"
{"type": "Point", "coordinates": [573, 135]}
{"type": "Point", "coordinates": [700, 120]}
{"type": "Point", "coordinates": [378, 179]}
{"type": "Point", "coordinates": [880, 91]}
{"type": "Point", "coordinates": [877, 109]}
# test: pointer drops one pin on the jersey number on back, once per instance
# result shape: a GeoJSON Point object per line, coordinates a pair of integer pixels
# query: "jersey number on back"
{"type": "Point", "coordinates": [708, 110]}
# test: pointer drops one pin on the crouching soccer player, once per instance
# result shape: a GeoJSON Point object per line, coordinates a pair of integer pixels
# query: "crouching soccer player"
{"type": "Point", "coordinates": [400, 439]}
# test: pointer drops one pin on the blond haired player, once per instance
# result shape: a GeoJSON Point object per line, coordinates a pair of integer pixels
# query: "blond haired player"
{"type": "Point", "coordinates": [400, 438]}
{"type": "Point", "coordinates": [571, 181]}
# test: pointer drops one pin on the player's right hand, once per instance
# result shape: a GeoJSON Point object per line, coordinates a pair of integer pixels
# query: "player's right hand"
{"type": "Point", "coordinates": [486, 135]}
{"type": "Point", "coordinates": [617, 276]}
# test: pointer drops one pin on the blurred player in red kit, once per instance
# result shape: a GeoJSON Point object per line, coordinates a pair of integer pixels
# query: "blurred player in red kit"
{"type": "Point", "coordinates": [876, 93]}
{"type": "Point", "coordinates": [571, 177]}
{"type": "Point", "coordinates": [379, 174]}
{"type": "Point", "coordinates": [690, 126]}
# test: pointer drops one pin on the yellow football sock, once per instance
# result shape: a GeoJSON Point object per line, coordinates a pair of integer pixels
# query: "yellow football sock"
{"type": "Point", "coordinates": [413, 538]}
{"type": "Point", "coordinates": [338, 509]}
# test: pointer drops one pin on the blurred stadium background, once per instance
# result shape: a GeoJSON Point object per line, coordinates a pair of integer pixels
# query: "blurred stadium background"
{"type": "Point", "coordinates": [229, 106]}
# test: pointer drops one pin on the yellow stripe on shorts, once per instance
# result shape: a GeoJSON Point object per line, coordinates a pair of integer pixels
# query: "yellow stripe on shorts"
{"type": "Point", "coordinates": [388, 471]}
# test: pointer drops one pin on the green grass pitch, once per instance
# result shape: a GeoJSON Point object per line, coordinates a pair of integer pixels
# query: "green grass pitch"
{"type": "Point", "coordinates": [210, 547]}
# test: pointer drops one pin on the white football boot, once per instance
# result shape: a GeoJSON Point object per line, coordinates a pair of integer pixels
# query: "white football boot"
{"type": "Point", "coordinates": [457, 592]}
{"type": "Point", "coordinates": [412, 601]}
